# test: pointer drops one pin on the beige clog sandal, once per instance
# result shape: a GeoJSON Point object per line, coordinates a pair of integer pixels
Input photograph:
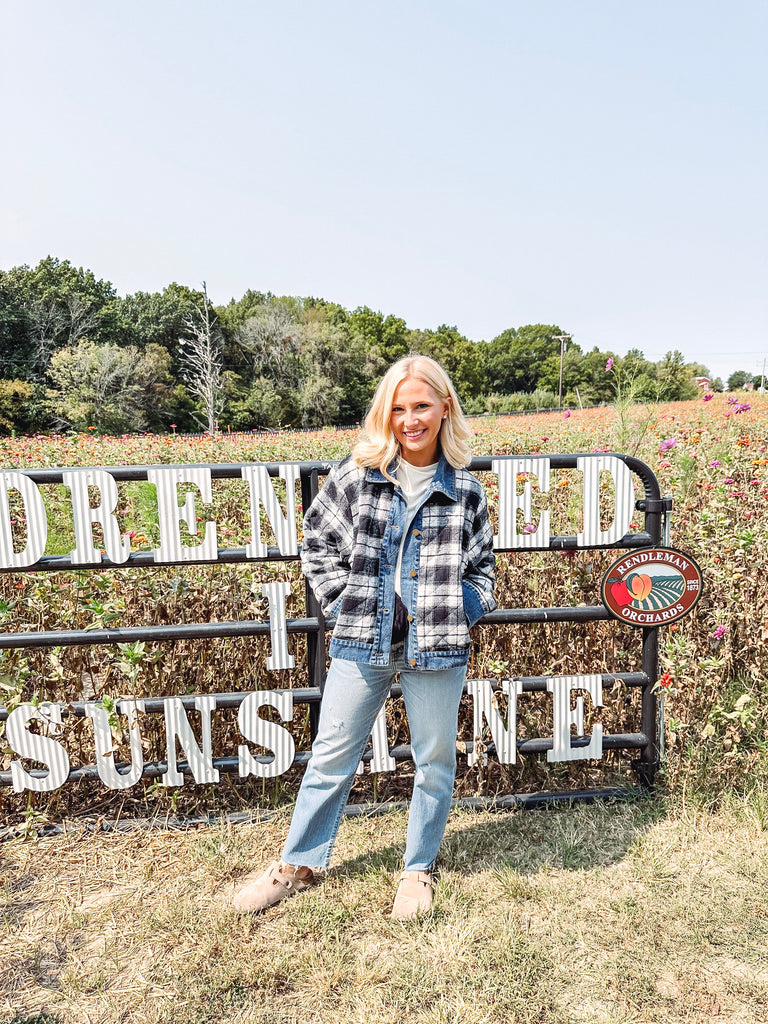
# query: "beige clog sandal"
{"type": "Point", "coordinates": [414, 895]}
{"type": "Point", "coordinates": [271, 886]}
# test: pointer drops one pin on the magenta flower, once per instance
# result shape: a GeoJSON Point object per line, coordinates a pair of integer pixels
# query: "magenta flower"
{"type": "Point", "coordinates": [707, 398]}
{"type": "Point", "coordinates": [566, 414]}
{"type": "Point", "coordinates": [714, 462]}
{"type": "Point", "coordinates": [609, 364]}
{"type": "Point", "coordinates": [742, 408]}
{"type": "Point", "coordinates": [719, 632]}
{"type": "Point", "coordinates": [529, 528]}
{"type": "Point", "coordinates": [671, 442]}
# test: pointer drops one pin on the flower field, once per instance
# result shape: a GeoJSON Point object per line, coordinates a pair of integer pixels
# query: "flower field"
{"type": "Point", "coordinates": [710, 455]}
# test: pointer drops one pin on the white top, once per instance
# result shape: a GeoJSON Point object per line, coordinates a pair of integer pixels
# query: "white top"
{"type": "Point", "coordinates": [414, 482]}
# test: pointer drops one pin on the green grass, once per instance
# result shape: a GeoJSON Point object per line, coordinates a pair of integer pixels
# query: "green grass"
{"type": "Point", "coordinates": [610, 914]}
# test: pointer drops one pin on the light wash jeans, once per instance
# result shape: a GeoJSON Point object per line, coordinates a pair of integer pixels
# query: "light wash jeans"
{"type": "Point", "coordinates": [353, 695]}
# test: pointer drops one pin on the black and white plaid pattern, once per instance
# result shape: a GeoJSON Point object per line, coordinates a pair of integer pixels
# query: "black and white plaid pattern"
{"type": "Point", "coordinates": [343, 538]}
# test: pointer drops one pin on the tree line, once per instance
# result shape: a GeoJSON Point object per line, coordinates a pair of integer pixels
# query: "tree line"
{"type": "Point", "coordinates": [75, 355]}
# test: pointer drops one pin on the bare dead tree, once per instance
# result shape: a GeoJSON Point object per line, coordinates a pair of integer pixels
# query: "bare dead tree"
{"type": "Point", "coordinates": [201, 352]}
{"type": "Point", "coordinates": [47, 321]}
{"type": "Point", "coordinates": [82, 318]}
{"type": "Point", "coordinates": [272, 336]}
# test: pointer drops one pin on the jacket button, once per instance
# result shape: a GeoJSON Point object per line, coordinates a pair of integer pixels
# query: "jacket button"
{"type": "Point", "coordinates": [413, 661]}
{"type": "Point", "coordinates": [413, 572]}
{"type": "Point", "coordinates": [410, 618]}
{"type": "Point", "coordinates": [417, 533]}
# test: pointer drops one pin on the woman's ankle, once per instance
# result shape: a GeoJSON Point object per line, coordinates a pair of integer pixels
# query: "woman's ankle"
{"type": "Point", "coordinates": [298, 871]}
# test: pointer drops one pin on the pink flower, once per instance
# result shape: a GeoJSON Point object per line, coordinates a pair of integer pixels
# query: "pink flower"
{"type": "Point", "coordinates": [715, 463]}
{"type": "Point", "coordinates": [671, 442]}
{"type": "Point", "coordinates": [566, 414]}
{"type": "Point", "coordinates": [529, 528]}
{"type": "Point", "coordinates": [707, 398]}
{"type": "Point", "coordinates": [719, 632]}
{"type": "Point", "coordinates": [609, 364]}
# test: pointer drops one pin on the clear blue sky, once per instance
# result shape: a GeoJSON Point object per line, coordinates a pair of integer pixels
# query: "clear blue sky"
{"type": "Point", "coordinates": [590, 163]}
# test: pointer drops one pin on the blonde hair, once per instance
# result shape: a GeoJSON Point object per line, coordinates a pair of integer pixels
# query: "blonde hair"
{"type": "Point", "coordinates": [378, 446]}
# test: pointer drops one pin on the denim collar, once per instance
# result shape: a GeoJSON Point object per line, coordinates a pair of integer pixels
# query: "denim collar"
{"type": "Point", "coordinates": [444, 479]}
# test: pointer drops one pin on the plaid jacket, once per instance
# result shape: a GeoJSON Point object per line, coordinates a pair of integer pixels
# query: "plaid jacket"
{"type": "Point", "coordinates": [352, 534]}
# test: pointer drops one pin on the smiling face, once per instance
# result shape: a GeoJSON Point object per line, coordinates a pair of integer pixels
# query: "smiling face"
{"type": "Point", "coordinates": [416, 418]}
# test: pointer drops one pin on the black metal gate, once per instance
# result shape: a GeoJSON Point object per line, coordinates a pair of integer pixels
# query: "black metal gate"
{"type": "Point", "coordinates": [644, 741]}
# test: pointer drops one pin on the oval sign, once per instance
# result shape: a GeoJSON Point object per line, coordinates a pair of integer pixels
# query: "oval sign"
{"type": "Point", "coordinates": [651, 586]}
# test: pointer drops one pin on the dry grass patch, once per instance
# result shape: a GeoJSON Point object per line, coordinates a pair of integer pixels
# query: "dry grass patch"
{"type": "Point", "coordinates": [608, 914]}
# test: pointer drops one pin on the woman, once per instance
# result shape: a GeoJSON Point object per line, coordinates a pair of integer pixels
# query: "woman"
{"type": "Point", "coordinates": [397, 548]}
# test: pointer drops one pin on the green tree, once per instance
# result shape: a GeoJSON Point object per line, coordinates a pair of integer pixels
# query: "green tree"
{"type": "Point", "coordinates": [338, 373]}
{"type": "Point", "coordinates": [61, 304]}
{"type": "Point", "coordinates": [16, 406]}
{"type": "Point", "coordinates": [462, 359]}
{"type": "Point", "coordinates": [517, 358]}
{"type": "Point", "coordinates": [573, 370]}
{"type": "Point", "coordinates": [236, 312]}
{"type": "Point", "coordinates": [115, 389]}
{"type": "Point", "coordinates": [14, 335]}
{"type": "Point", "coordinates": [739, 378]}
{"type": "Point", "coordinates": [675, 379]}
{"type": "Point", "coordinates": [153, 318]}
{"type": "Point", "coordinates": [387, 338]}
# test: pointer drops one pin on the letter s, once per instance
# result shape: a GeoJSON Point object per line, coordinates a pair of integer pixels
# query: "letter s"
{"type": "Point", "coordinates": [37, 747]}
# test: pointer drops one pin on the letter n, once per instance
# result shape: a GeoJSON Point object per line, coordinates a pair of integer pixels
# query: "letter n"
{"type": "Point", "coordinates": [504, 734]}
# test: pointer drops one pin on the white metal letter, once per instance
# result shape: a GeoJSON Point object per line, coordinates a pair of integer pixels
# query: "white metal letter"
{"type": "Point", "coordinates": [625, 499]}
{"type": "Point", "coordinates": [276, 593]}
{"type": "Point", "coordinates": [265, 734]}
{"type": "Point", "coordinates": [177, 725]}
{"type": "Point", "coordinates": [34, 513]}
{"type": "Point", "coordinates": [510, 501]}
{"type": "Point", "coordinates": [504, 736]}
{"type": "Point", "coordinates": [263, 493]}
{"type": "Point", "coordinates": [561, 688]}
{"type": "Point", "coordinates": [37, 747]}
{"type": "Point", "coordinates": [170, 514]}
{"type": "Point", "coordinates": [102, 734]}
{"type": "Point", "coordinates": [78, 481]}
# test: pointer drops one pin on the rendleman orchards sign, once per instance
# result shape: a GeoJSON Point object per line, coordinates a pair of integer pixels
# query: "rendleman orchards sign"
{"type": "Point", "coordinates": [94, 499]}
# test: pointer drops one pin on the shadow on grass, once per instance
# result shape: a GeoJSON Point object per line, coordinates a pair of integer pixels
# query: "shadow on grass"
{"type": "Point", "coordinates": [569, 837]}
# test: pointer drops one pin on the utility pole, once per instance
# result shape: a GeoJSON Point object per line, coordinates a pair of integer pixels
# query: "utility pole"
{"type": "Point", "coordinates": [561, 338]}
